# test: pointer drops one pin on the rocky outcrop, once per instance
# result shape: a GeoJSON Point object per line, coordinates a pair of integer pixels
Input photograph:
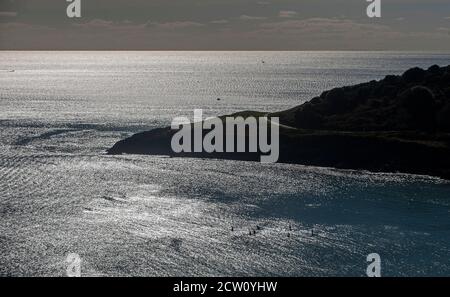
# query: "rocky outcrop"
{"type": "Point", "coordinates": [418, 100]}
{"type": "Point", "coordinates": [398, 124]}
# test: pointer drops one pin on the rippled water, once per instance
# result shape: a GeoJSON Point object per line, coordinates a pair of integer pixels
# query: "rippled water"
{"type": "Point", "coordinates": [157, 216]}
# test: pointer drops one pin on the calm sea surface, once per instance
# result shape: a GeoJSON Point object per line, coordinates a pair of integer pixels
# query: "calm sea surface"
{"type": "Point", "coordinates": [156, 216]}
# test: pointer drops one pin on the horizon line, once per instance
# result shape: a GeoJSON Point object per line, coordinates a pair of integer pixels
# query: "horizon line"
{"type": "Point", "coordinates": [224, 50]}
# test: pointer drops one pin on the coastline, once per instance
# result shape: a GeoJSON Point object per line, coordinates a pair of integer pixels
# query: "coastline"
{"type": "Point", "coordinates": [325, 134]}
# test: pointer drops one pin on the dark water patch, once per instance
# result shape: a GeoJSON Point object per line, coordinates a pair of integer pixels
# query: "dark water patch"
{"type": "Point", "coordinates": [101, 127]}
{"type": "Point", "coordinates": [43, 136]}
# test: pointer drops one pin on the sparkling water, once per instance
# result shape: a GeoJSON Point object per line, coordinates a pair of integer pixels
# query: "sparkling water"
{"type": "Point", "coordinates": [157, 216]}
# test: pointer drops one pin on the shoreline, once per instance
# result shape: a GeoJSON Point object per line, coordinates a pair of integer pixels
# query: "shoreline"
{"type": "Point", "coordinates": [398, 124]}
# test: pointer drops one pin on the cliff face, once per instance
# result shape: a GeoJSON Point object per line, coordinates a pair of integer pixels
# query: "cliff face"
{"type": "Point", "coordinates": [401, 123]}
{"type": "Point", "coordinates": [418, 100]}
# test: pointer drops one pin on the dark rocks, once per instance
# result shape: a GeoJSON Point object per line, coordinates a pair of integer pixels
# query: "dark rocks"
{"type": "Point", "coordinates": [418, 97]}
{"type": "Point", "coordinates": [391, 79]}
{"type": "Point", "coordinates": [308, 118]}
{"type": "Point", "coordinates": [398, 124]}
{"type": "Point", "coordinates": [435, 69]}
{"type": "Point", "coordinates": [443, 118]}
{"type": "Point", "coordinates": [414, 75]}
{"type": "Point", "coordinates": [336, 95]}
{"type": "Point", "coordinates": [396, 103]}
{"type": "Point", "coordinates": [445, 79]}
{"type": "Point", "coordinates": [420, 105]}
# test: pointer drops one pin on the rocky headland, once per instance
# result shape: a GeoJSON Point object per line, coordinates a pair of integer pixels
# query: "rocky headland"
{"type": "Point", "coordinates": [398, 124]}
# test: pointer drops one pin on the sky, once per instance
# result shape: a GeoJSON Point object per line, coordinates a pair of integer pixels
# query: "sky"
{"type": "Point", "coordinates": [225, 25]}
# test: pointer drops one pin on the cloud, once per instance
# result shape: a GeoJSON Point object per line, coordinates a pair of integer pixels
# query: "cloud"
{"type": "Point", "coordinates": [220, 22]}
{"type": "Point", "coordinates": [321, 25]}
{"type": "Point", "coordinates": [10, 14]}
{"type": "Point", "coordinates": [266, 34]}
{"type": "Point", "coordinates": [245, 17]}
{"type": "Point", "coordinates": [176, 25]}
{"type": "Point", "coordinates": [287, 14]}
{"type": "Point", "coordinates": [21, 26]}
{"type": "Point", "coordinates": [345, 34]}
{"type": "Point", "coordinates": [25, 36]}
{"type": "Point", "coordinates": [95, 23]}
{"type": "Point", "coordinates": [443, 30]}
{"type": "Point", "coordinates": [128, 25]}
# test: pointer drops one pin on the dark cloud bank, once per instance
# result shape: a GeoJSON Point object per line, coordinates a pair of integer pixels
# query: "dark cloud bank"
{"type": "Point", "coordinates": [225, 25]}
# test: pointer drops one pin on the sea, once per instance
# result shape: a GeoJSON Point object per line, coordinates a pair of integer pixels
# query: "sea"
{"type": "Point", "coordinates": [135, 215]}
